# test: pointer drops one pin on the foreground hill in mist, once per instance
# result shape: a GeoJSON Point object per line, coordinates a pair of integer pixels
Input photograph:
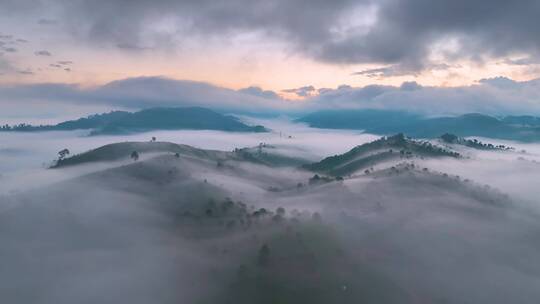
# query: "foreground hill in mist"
{"type": "Point", "coordinates": [263, 154]}
{"type": "Point", "coordinates": [386, 149]}
{"type": "Point", "coordinates": [121, 122]}
{"type": "Point", "coordinates": [522, 128]}
{"type": "Point", "coordinates": [206, 226]}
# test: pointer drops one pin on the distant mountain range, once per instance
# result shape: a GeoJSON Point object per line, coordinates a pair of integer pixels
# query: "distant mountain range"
{"type": "Point", "coordinates": [522, 128]}
{"type": "Point", "coordinates": [382, 122]}
{"type": "Point", "coordinates": [122, 122]}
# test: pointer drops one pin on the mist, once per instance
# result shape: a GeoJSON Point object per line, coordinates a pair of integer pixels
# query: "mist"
{"type": "Point", "coordinates": [205, 226]}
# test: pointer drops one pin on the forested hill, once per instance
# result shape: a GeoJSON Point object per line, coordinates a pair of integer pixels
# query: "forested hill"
{"type": "Point", "coordinates": [122, 122]}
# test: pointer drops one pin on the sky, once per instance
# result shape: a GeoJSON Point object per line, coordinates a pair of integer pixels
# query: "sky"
{"type": "Point", "coordinates": [443, 57]}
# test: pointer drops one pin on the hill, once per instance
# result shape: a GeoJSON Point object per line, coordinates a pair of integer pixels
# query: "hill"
{"type": "Point", "coordinates": [384, 149]}
{"type": "Point", "coordinates": [471, 143]}
{"type": "Point", "coordinates": [522, 128]}
{"type": "Point", "coordinates": [121, 122]}
{"type": "Point", "coordinates": [163, 222]}
{"type": "Point", "coordinates": [123, 151]}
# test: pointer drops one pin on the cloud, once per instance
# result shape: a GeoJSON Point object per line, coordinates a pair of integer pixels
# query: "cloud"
{"type": "Point", "coordinates": [144, 92]}
{"type": "Point", "coordinates": [132, 47]}
{"type": "Point", "coordinates": [257, 91]}
{"type": "Point", "coordinates": [43, 53]}
{"type": "Point", "coordinates": [402, 70]}
{"type": "Point", "coordinates": [500, 82]}
{"type": "Point", "coordinates": [497, 96]}
{"type": "Point", "coordinates": [45, 21]}
{"type": "Point", "coordinates": [5, 66]}
{"type": "Point", "coordinates": [26, 72]}
{"type": "Point", "coordinates": [390, 32]}
{"type": "Point", "coordinates": [410, 86]}
{"type": "Point", "coordinates": [10, 49]}
{"type": "Point", "coordinates": [304, 91]}
{"type": "Point", "coordinates": [390, 71]}
{"type": "Point", "coordinates": [522, 61]}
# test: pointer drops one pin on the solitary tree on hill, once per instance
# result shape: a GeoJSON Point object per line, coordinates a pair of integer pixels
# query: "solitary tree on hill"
{"type": "Point", "coordinates": [264, 256]}
{"type": "Point", "coordinates": [62, 154]}
{"type": "Point", "coordinates": [135, 155]}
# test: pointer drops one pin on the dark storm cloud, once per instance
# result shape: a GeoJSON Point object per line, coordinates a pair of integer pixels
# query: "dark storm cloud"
{"type": "Point", "coordinates": [401, 33]}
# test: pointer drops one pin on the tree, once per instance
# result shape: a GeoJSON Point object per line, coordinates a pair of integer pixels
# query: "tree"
{"type": "Point", "coordinates": [62, 154]}
{"type": "Point", "coordinates": [263, 257]}
{"type": "Point", "coordinates": [135, 155]}
{"type": "Point", "coordinates": [449, 138]}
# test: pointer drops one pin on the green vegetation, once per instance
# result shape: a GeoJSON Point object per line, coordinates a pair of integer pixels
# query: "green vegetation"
{"type": "Point", "coordinates": [120, 122]}
{"type": "Point", "coordinates": [522, 128]}
{"type": "Point", "coordinates": [385, 148]}
{"type": "Point", "coordinates": [472, 143]}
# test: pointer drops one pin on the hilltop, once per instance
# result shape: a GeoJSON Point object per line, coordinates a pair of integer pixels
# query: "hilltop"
{"type": "Point", "coordinates": [471, 143]}
{"type": "Point", "coordinates": [386, 148]}
{"type": "Point", "coordinates": [265, 155]}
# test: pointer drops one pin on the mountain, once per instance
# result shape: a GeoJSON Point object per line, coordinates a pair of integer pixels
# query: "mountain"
{"type": "Point", "coordinates": [522, 128]}
{"type": "Point", "coordinates": [365, 156]}
{"type": "Point", "coordinates": [120, 122]}
{"type": "Point", "coordinates": [524, 120]}
{"type": "Point", "coordinates": [359, 119]}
